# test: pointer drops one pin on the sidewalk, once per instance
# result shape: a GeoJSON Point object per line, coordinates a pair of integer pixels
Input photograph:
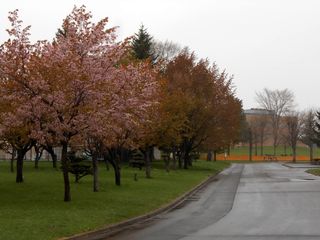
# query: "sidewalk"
{"type": "Point", "coordinates": [300, 165]}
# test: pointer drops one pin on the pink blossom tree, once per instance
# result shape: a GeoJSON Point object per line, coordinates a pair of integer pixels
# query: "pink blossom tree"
{"type": "Point", "coordinates": [15, 104]}
{"type": "Point", "coordinates": [70, 77]}
{"type": "Point", "coordinates": [119, 121]}
{"type": "Point", "coordinates": [79, 85]}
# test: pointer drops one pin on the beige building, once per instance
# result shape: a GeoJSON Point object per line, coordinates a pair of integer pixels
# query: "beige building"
{"type": "Point", "coordinates": [30, 155]}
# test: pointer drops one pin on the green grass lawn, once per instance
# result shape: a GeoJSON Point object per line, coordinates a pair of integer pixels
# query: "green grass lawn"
{"type": "Point", "coordinates": [301, 151]}
{"type": "Point", "coordinates": [314, 171]}
{"type": "Point", "coordinates": [35, 209]}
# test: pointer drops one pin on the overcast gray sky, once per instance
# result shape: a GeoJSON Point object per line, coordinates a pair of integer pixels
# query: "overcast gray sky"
{"type": "Point", "coordinates": [263, 43]}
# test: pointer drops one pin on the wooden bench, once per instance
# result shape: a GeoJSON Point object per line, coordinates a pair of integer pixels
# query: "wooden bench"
{"type": "Point", "coordinates": [270, 157]}
{"type": "Point", "coordinates": [316, 161]}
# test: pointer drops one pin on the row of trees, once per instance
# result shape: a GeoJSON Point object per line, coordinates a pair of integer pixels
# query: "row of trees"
{"type": "Point", "coordinates": [87, 91]}
{"type": "Point", "coordinates": [282, 123]}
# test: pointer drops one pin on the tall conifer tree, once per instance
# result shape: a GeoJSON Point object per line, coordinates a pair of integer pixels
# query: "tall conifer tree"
{"type": "Point", "coordinates": [142, 45]}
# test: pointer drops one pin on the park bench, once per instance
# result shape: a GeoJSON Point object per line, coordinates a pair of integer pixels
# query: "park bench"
{"type": "Point", "coordinates": [316, 161]}
{"type": "Point", "coordinates": [270, 157]}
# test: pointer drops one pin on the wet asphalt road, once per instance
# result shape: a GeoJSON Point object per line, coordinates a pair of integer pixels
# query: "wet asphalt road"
{"type": "Point", "coordinates": [253, 201]}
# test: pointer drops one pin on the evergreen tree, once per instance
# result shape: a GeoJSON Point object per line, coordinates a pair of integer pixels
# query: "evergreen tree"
{"type": "Point", "coordinates": [142, 45]}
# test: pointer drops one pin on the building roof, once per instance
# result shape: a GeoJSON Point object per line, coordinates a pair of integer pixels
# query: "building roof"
{"type": "Point", "coordinates": [258, 111]}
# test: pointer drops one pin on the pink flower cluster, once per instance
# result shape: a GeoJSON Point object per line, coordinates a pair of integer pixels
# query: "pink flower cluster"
{"type": "Point", "coordinates": [80, 84]}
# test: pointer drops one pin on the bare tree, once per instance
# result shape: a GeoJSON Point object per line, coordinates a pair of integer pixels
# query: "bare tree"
{"type": "Point", "coordinates": [255, 138]}
{"type": "Point", "coordinates": [280, 102]}
{"type": "Point", "coordinates": [293, 122]}
{"type": "Point", "coordinates": [308, 134]}
{"type": "Point", "coordinates": [165, 51]}
{"type": "Point", "coordinates": [255, 133]}
{"type": "Point", "coordinates": [258, 125]}
{"type": "Point", "coordinates": [263, 126]}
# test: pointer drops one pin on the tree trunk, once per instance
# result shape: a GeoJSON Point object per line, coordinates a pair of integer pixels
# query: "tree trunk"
{"type": "Point", "coordinates": [215, 155]}
{"type": "Point", "coordinates": [116, 167]}
{"type": "Point", "coordinates": [185, 160]}
{"type": "Point", "coordinates": [152, 154]}
{"type": "Point", "coordinates": [19, 176]}
{"type": "Point", "coordinates": [54, 160]}
{"type": "Point", "coordinates": [50, 150]}
{"type": "Point", "coordinates": [209, 156]}
{"type": "Point", "coordinates": [186, 155]}
{"type": "Point", "coordinates": [77, 178]}
{"type": "Point", "coordinates": [256, 149]}
{"type": "Point", "coordinates": [124, 156]}
{"type": "Point", "coordinates": [36, 163]}
{"type": "Point", "coordinates": [65, 171]}
{"type": "Point", "coordinates": [167, 162]}
{"type": "Point", "coordinates": [147, 155]}
{"type": "Point", "coordinates": [311, 153]}
{"type": "Point", "coordinates": [180, 159]}
{"type": "Point", "coordinates": [117, 176]}
{"type": "Point", "coordinates": [95, 172]}
{"type": "Point", "coordinates": [285, 149]}
{"type": "Point", "coordinates": [261, 146]}
{"type": "Point", "coordinates": [250, 146]}
{"type": "Point", "coordinates": [12, 165]}
{"type": "Point", "coordinates": [294, 153]}
{"type": "Point", "coordinates": [190, 160]}
{"type": "Point", "coordinates": [174, 160]}
{"type": "Point", "coordinates": [13, 156]}
{"type": "Point", "coordinates": [38, 156]}
{"type": "Point", "coordinates": [106, 162]}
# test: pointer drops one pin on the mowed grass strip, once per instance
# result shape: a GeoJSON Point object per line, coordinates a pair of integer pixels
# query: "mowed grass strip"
{"type": "Point", "coordinates": [314, 171]}
{"type": "Point", "coordinates": [35, 209]}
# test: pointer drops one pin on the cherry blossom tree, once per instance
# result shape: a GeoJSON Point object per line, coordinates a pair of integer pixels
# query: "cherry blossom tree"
{"type": "Point", "coordinates": [79, 83]}
{"type": "Point", "coordinates": [15, 104]}
{"type": "Point", "coordinates": [71, 76]}
{"type": "Point", "coordinates": [85, 87]}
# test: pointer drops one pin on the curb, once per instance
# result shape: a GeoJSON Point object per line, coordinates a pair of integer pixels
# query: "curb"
{"type": "Point", "coordinates": [124, 225]}
{"type": "Point", "coordinates": [300, 167]}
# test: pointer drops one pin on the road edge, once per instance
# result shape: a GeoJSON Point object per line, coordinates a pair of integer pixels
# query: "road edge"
{"type": "Point", "coordinates": [113, 229]}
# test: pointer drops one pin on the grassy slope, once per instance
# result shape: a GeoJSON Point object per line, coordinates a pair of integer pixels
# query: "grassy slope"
{"type": "Point", "coordinates": [35, 210]}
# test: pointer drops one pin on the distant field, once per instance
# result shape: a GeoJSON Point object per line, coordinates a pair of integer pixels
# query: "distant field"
{"type": "Point", "coordinates": [301, 151]}
{"type": "Point", "coordinates": [283, 154]}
